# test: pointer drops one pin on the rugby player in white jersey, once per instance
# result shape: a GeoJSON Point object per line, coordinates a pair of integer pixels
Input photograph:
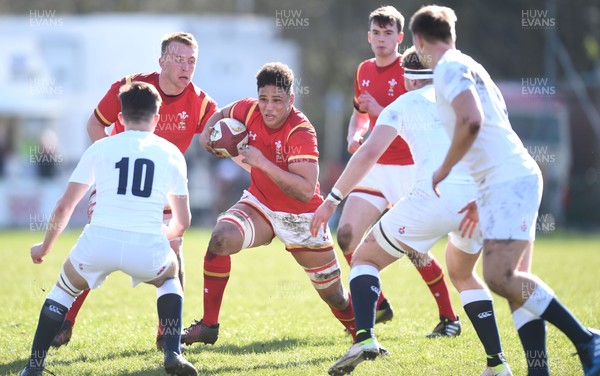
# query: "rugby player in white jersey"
{"type": "Point", "coordinates": [509, 188]}
{"type": "Point", "coordinates": [416, 222]}
{"type": "Point", "coordinates": [135, 173]}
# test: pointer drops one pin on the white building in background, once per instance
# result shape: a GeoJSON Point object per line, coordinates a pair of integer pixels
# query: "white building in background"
{"type": "Point", "coordinates": [55, 68]}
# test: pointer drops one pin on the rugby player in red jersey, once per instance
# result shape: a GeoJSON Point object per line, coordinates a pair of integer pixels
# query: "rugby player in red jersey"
{"type": "Point", "coordinates": [184, 112]}
{"type": "Point", "coordinates": [282, 156]}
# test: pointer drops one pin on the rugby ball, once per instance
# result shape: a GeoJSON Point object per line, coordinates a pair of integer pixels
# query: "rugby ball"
{"type": "Point", "coordinates": [228, 137]}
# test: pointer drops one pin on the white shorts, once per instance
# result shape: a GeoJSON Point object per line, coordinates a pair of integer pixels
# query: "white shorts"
{"type": "Point", "coordinates": [100, 251]}
{"type": "Point", "coordinates": [385, 185]}
{"type": "Point", "coordinates": [509, 210]}
{"type": "Point", "coordinates": [422, 218]}
{"type": "Point", "coordinates": [292, 229]}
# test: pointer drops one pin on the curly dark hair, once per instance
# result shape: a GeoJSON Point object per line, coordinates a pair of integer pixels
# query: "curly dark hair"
{"type": "Point", "coordinates": [276, 74]}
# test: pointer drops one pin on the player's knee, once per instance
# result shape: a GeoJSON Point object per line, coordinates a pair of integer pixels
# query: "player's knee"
{"type": "Point", "coordinates": [234, 231]}
{"type": "Point", "coordinates": [345, 238]}
{"type": "Point", "coordinates": [461, 279]}
{"type": "Point", "coordinates": [220, 242]}
{"type": "Point", "coordinates": [64, 282]}
{"type": "Point", "coordinates": [498, 279]}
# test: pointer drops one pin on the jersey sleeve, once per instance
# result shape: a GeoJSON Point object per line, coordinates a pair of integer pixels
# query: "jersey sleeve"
{"type": "Point", "coordinates": [84, 171]}
{"type": "Point", "coordinates": [302, 145]}
{"type": "Point", "coordinates": [109, 105]}
{"type": "Point", "coordinates": [357, 88]}
{"type": "Point", "coordinates": [453, 79]}
{"type": "Point", "coordinates": [207, 109]}
{"type": "Point", "coordinates": [243, 109]}
{"type": "Point", "coordinates": [390, 117]}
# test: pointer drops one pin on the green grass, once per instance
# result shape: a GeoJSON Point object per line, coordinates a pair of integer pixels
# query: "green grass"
{"type": "Point", "coordinates": [272, 322]}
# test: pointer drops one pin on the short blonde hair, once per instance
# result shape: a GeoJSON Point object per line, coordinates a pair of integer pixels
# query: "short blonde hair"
{"type": "Point", "coordinates": [181, 37]}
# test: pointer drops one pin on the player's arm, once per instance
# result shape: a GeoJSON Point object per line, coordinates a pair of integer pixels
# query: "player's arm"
{"type": "Point", "coordinates": [204, 137]}
{"type": "Point", "coordinates": [357, 168]}
{"type": "Point", "coordinates": [204, 140]}
{"type": "Point", "coordinates": [365, 158]}
{"type": "Point", "coordinates": [96, 130]}
{"type": "Point", "coordinates": [368, 104]}
{"type": "Point", "coordinates": [182, 216]}
{"type": "Point", "coordinates": [59, 219]}
{"type": "Point", "coordinates": [357, 128]}
{"type": "Point", "coordinates": [299, 182]}
{"type": "Point", "coordinates": [469, 116]}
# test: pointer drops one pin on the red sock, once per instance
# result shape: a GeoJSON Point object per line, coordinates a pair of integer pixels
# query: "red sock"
{"type": "Point", "coordinates": [348, 257]}
{"type": "Point", "coordinates": [433, 275]}
{"type": "Point", "coordinates": [346, 317]}
{"type": "Point", "coordinates": [216, 275]}
{"type": "Point", "coordinates": [74, 310]}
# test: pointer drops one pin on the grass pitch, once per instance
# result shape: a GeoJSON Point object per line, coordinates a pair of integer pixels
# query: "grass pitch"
{"type": "Point", "coordinates": [272, 321]}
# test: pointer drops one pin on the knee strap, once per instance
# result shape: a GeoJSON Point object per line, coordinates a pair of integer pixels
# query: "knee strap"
{"type": "Point", "coordinates": [387, 243]}
{"type": "Point", "coordinates": [324, 276]}
{"type": "Point", "coordinates": [65, 284]}
{"type": "Point", "coordinates": [243, 222]}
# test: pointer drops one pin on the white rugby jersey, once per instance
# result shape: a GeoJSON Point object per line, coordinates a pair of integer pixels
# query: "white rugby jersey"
{"type": "Point", "coordinates": [497, 154]}
{"type": "Point", "coordinates": [133, 171]}
{"type": "Point", "coordinates": [414, 116]}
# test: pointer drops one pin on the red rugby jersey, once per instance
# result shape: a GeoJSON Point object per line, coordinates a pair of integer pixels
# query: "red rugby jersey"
{"type": "Point", "coordinates": [295, 141]}
{"type": "Point", "coordinates": [385, 84]}
{"type": "Point", "coordinates": [181, 116]}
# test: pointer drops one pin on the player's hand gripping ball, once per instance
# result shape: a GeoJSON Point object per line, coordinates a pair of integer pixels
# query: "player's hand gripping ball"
{"type": "Point", "coordinates": [228, 137]}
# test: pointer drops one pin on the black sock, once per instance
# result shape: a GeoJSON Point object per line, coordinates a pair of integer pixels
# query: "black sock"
{"type": "Point", "coordinates": [559, 316]}
{"type": "Point", "coordinates": [481, 314]}
{"type": "Point", "coordinates": [364, 334]}
{"type": "Point", "coordinates": [533, 339]}
{"type": "Point", "coordinates": [51, 319]}
{"type": "Point", "coordinates": [365, 292]}
{"type": "Point", "coordinates": [170, 308]}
